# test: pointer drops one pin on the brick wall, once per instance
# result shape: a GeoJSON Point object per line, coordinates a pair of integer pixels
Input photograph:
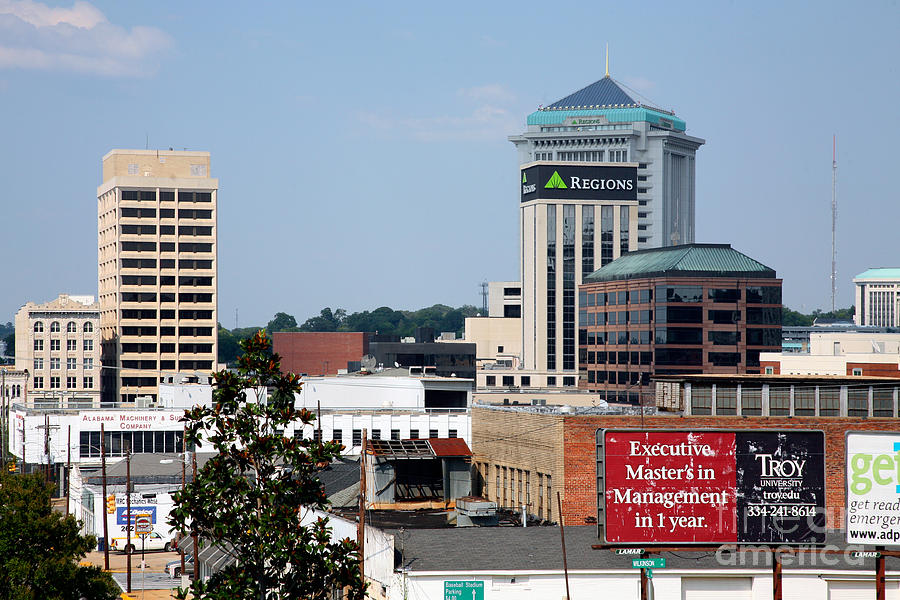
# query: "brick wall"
{"type": "Point", "coordinates": [319, 353]}
{"type": "Point", "coordinates": [567, 443]}
{"type": "Point", "coordinates": [875, 369]}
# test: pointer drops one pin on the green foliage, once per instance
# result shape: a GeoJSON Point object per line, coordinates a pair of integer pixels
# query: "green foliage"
{"type": "Point", "coordinates": [40, 548]}
{"type": "Point", "coordinates": [249, 498]}
{"type": "Point", "coordinates": [326, 321]}
{"type": "Point", "coordinates": [792, 318]}
{"type": "Point", "coordinates": [281, 322]}
{"type": "Point", "coordinates": [10, 340]}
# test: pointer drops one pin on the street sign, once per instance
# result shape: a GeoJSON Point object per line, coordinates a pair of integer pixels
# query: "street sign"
{"type": "Point", "coordinates": [463, 590]}
{"type": "Point", "coordinates": [649, 573]}
{"type": "Point", "coordinates": [648, 563]}
{"type": "Point", "coordinates": [621, 551]}
{"type": "Point", "coordinates": [143, 525]}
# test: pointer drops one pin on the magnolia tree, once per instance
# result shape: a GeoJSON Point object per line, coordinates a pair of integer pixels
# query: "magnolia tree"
{"type": "Point", "coordinates": [249, 499]}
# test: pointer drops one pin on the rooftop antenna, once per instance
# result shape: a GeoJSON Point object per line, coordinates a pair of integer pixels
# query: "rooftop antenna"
{"type": "Point", "coordinates": [484, 298]}
{"type": "Point", "coordinates": [833, 218]}
{"type": "Point", "coordinates": [607, 59]}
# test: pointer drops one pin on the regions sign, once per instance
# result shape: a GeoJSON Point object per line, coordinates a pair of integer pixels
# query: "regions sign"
{"type": "Point", "coordinates": [711, 486]}
{"type": "Point", "coordinates": [578, 182]}
{"type": "Point", "coordinates": [873, 488]}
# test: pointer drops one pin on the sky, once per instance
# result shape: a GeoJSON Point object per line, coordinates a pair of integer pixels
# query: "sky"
{"type": "Point", "coordinates": [361, 148]}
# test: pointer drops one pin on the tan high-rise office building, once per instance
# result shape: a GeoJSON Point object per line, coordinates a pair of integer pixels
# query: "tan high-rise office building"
{"type": "Point", "coordinates": [157, 248]}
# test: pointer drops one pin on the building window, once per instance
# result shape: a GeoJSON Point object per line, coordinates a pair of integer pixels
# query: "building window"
{"type": "Point", "coordinates": [587, 240]}
{"type": "Point", "coordinates": [88, 363]}
{"type": "Point", "coordinates": [88, 383]}
{"type": "Point", "coordinates": [857, 402]}
{"type": "Point", "coordinates": [701, 400]}
{"type": "Point", "coordinates": [71, 383]}
{"type": "Point", "coordinates": [490, 380]}
{"type": "Point", "coordinates": [551, 287]}
{"type": "Point", "coordinates": [855, 371]}
{"type": "Point", "coordinates": [623, 229]}
{"type": "Point", "coordinates": [508, 381]}
{"type": "Point", "coordinates": [71, 364]}
{"type": "Point", "coordinates": [71, 327]}
{"type": "Point", "coordinates": [39, 327]}
{"type": "Point", "coordinates": [568, 381]}
{"type": "Point", "coordinates": [551, 381]}
{"type": "Point", "coordinates": [451, 433]}
{"type": "Point", "coordinates": [413, 434]}
{"type": "Point", "coordinates": [376, 434]}
{"type": "Point", "coordinates": [88, 327]}
{"type": "Point", "coordinates": [71, 345]}
{"type": "Point", "coordinates": [38, 364]}
{"type": "Point", "coordinates": [337, 436]}
{"type": "Point", "coordinates": [499, 349]}
{"type": "Point", "coordinates": [38, 344]}
{"type": "Point", "coordinates": [771, 371]}
{"type": "Point", "coordinates": [568, 286]}
{"type": "Point", "coordinates": [395, 434]}
{"type": "Point", "coordinates": [526, 381]}
{"type": "Point", "coordinates": [829, 402]}
{"type": "Point", "coordinates": [88, 345]}
{"type": "Point", "coordinates": [357, 437]}
{"type": "Point", "coordinates": [804, 401]}
{"type": "Point", "coordinates": [606, 235]}
{"type": "Point", "coordinates": [54, 327]}
{"type": "Point", "coordinates": [54, 364]}
{"type": "Point", "coordinates": [54, 383]}
{"type": "Point", "coordinates": [751, 401]}
{"type": "Point", "coordinates": [54, 345]}
{"type": "Point", "coordinates": [882, 402]}
{"type": "Point", "coordinates": [433, 433]}
{"type": "Point", "coordinates": [38, 383]}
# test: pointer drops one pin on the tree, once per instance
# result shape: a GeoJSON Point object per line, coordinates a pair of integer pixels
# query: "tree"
{"type": "Point", "coordinates": [40, 549]}
{"type": "Point", "coordinates": [10, 344]}
{"type": "Point", "coordinates": [250, 497]}
{"type": "Point", "coordinates": [228, 346]}
{"type": "Point", "coordinates": [281, 322]}
{"type": "Point", "coordinates": [326, 321]}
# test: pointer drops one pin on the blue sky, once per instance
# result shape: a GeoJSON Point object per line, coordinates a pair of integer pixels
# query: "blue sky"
{"type": "Point", "coordinates": [361, 148]}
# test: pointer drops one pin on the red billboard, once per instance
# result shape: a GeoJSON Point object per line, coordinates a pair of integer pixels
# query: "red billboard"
{"type": "Point", "coordinates": [711, 486]}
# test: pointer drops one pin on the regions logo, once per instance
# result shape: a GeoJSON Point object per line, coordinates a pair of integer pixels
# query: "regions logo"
{"type": "Point", "coordinates": [526, 187]}
{"type": "Point", "coordinates": [556, 182]}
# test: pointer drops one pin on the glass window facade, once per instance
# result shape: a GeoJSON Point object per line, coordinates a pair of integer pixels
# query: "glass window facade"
{"type": "Point", "coordinates": [568, 287]}
{"type": "Point", "coordinates": [551, 287]}
{"type": "Point", "coordinates": [587, 240]}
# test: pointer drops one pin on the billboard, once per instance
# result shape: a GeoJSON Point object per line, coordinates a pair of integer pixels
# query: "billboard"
{"type": "Point", "coordinates": [873, 488]}
{"type": "Point", "coordinates": [711, 486]}
{"type": "Point", "coordinates": [578, 182]}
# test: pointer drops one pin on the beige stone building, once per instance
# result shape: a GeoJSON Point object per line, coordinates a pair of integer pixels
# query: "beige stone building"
{"type": "Point", "coordinates": [58, 343]}
{"type": "Point", "coordinates": [157, 249]}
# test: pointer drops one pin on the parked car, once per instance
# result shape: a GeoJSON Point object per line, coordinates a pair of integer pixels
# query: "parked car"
{"type": "Point", "coordinates": [173, 567]}
{"type": "Point", "coordinates": [153, 541]}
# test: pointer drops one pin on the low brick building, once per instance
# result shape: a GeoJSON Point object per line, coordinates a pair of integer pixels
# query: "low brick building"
{"type": "Point", "coordinates": [524, 455]}
{"type": "Point", "coordinates": [319, 352]}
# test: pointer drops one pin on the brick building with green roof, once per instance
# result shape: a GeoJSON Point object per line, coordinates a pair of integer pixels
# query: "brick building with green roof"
{"type": "Point", "coordinates": [688, 309]}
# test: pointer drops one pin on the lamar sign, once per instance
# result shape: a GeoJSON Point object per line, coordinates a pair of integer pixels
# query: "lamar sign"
{"type": "Point", "coordinates": [578, 182]}
{"type": "Point", "coordinates": [873, 488]}
{"type": "Point", "coordinates": [711, 486]}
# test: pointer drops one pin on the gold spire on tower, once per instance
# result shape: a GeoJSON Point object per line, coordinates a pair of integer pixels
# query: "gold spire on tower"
{"type": "Point", "coordinates": [607, 59]}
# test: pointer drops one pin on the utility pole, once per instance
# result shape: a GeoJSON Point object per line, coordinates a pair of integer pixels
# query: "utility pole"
{"type": "Point", "coordinates": [562, 533]}
{"type": "Point", "coordinates": [105, 514]}
{"type": "Point", "coordinates": [69, 466]}
{"type": "Point", "coordinates": [183, 468]}
{"type": "Point", "coordinates": [361, 533]}
{"type": "Point", "coordinates": [193, 533]}
{"type": "Point", "coordinates": [128, 521]}
{"type": "Point", "coordinates": [3, 416]}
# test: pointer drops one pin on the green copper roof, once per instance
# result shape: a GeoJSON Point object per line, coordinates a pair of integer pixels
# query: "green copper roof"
{"type": "Point", "coordinates": [689, 260]}
{"type": "Point", "coordinates": [880, 273]}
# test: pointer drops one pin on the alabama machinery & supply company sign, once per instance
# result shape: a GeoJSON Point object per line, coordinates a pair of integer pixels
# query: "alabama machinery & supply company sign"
{"type": "Point", "coordinates": [711, 486]}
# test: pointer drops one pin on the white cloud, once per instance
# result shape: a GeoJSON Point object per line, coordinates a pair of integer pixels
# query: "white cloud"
{"type": "Point", "coordinates": [492, 92]}
{"type": "Point", "coordinates": [489, 119]}
{"type": "Point", "coordinates": [34, 35]}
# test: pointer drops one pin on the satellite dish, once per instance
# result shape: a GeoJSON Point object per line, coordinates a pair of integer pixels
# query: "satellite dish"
{"type": "Point", "coordinates": [368, 362]}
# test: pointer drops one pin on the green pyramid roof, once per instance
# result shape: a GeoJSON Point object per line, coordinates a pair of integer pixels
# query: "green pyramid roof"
{"type": "Point", "coordinates": [689, 260]}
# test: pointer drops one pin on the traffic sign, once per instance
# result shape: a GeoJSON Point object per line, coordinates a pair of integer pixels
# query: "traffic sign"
{"type": "Point", "coordinates": [143, 525]}
{"type": "Point", "coordinates": [463, 590]}
{"type": "Point", "coordinates": [648, 563]}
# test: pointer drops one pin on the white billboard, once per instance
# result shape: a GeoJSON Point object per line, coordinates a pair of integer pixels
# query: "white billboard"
{"type": "Point", "coordinates": [873, 488]}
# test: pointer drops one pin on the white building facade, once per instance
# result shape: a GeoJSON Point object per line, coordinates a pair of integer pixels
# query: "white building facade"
{"type": "Point", "coordinates": [878, 297]}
